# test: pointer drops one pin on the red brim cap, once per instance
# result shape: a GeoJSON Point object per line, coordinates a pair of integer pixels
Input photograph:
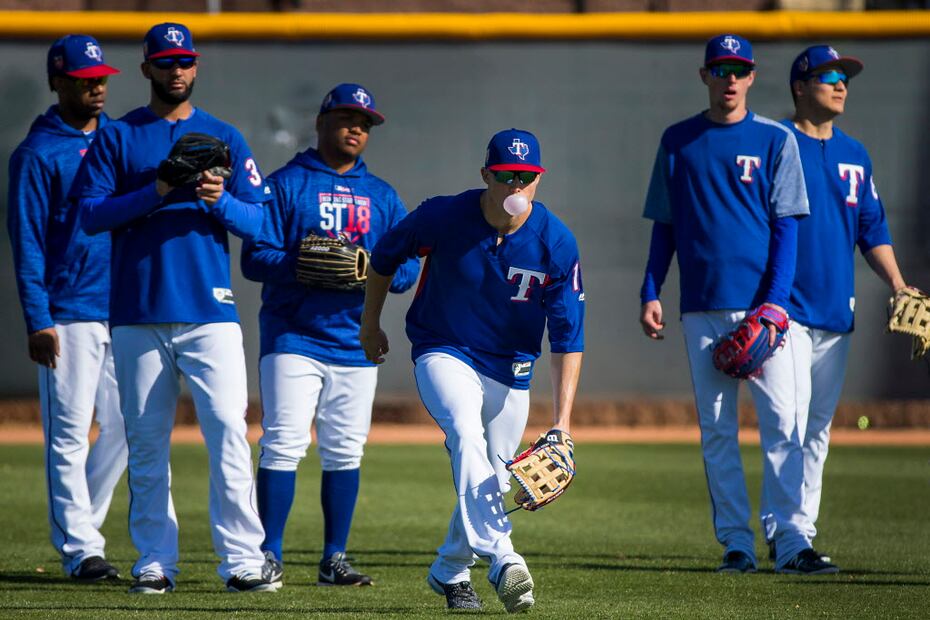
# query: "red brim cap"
{"type": "Point", "coordinates": [173, 52]}
{"type": "Point", "coordinates": [376, 117]}
{"type": "Point", "coordinates": [850, 66]}
{"type": "Point", "coordinates": [93, 72]}
{"type": "Point", "coordinates": [517, 167]}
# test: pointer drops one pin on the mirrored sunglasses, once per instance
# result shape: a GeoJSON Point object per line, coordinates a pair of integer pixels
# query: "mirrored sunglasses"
{"type": "Point", "coordinates": [726, 69]}
{"type": "Point", "coordinates": [832, 77]}
{"type": "Point", "coordinates": [510, 176]}
{"type": "Point", "coordinates": [185, 62]}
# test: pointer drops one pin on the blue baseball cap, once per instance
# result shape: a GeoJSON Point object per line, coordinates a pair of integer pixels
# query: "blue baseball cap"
{"type": "Point", "coordinates": [168, 39]}
{"type": "Point", "coordinates": [78, 55]}
{"type": "Point", "coordinates": [352, 97]}
{"type": "Point", "coordinates": [819, 57]}
{"type": "Point", "coordinates": [728, 48]}
{"type": "Point", "coordinates": [514, 149]}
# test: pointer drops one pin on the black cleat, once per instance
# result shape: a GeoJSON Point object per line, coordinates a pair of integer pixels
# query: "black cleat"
{"type": "Point", "coordinates": [273, 570]}
{"type": "Point", "coordinates": [772, 553]}
{"type": "Point", "coordinates": [737, 562]}
{"type": "Point", "coordinates": [808, 562]}
{"type": "Point", "coordinates": [458, 595]}
{"type": "Point", "coordinates": [94, 568]}
{"type": "Point", "coordinates": [249, 583]}
{"type": "Point", "coordinates": [151, 583]}
{"type": "Point", "coordinates": [336, 571]}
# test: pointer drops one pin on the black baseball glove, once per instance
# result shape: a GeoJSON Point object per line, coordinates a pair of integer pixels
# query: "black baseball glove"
{"type": "Point", "coordinates": [191, 155]}
{"type": "Point", "coordinates": [332, 262]}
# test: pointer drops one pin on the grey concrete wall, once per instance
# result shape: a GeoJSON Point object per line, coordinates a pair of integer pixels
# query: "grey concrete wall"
{"type": "Point", "coordinates": [598, 108]}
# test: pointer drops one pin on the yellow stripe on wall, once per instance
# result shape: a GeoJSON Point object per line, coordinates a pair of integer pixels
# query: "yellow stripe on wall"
{"type": "Point", "coordinates": [485, 26]}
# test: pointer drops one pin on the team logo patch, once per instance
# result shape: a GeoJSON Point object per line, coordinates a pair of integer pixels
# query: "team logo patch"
{"type": "Point", "coordinates": [521, 369]}
{"type": "Point", "coordinates": [748, 163]}
{"type": "Point", "coordinates": [93, 52]}
{"type": "Point", "coordinates": [174, 36]}
{"type": "Point", "coordinates": [832, 53]}
{"type": "Point", "coordinates": [223, 295]}
{"type": "Point", "coordinates": [804, 64]}
{"type": "Point", "coordinates": [363, 98]}
{"type": "Point", "coordinates": [854, 174]}
{"type": "Point", "coordinates": [519, 148]}
{"type": "Point", "coordinates": [731, 44]}
{"type": "Point", "coordinates": [59, 62]}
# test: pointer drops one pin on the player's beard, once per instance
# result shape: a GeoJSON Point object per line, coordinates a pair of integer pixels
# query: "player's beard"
{"type": "Point", "coordinates": [169, 97]}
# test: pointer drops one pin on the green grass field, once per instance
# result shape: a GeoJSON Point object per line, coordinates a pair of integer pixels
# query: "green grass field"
{"type": "Point", "coordinates": [632, 538]}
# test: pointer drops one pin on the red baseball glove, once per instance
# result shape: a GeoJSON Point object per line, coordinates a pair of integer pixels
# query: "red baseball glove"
{"type": "Point", "coordinates": [742, 352]}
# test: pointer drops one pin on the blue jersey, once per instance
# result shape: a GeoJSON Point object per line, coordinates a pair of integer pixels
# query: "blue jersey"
{"type": "Point", "coordinates": [310, 197]}
{"type": "Point", "coordinates": [62, 273]}
{"type": "Point", "coordinates": [845, 211]}
{"type": "Point", "coordinates": [485, 303]}
{"type": "Point", "coordinates": [171, 253]}
{"type": "Point", "coordinates": [721, 188]}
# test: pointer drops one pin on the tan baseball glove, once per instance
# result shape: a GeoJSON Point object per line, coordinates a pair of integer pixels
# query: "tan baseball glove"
{"type": "Point", "coordinates": [909, 313]}
{"type": "Point", "coordinates": [332, 262]}
{"type": "Point", "coordinates": [544, 470]}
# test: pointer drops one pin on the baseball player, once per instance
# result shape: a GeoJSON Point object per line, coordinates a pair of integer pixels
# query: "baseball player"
{"type": "Point", "coordinates": [312, 365]}
{"type": "Point", "coordinates": [63, 277]}
{"type": "Point", "coordinates": [846, 211]}
{"type": "Point", "coordinates": [726, 194]}
{"type": "Point", "coordinates": [172, 312]}
{"type": "Point", "coordinates": [500, 268]}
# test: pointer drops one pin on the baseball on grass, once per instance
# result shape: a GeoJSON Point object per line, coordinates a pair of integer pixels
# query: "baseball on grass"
{"type": "Point", "coordinates": [863, 422]}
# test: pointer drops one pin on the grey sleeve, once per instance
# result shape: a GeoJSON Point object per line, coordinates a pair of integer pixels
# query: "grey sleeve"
{"type": "Point", "coordinates": [789, 192]}
{"type": "Point", "coordinates": [658, 206]}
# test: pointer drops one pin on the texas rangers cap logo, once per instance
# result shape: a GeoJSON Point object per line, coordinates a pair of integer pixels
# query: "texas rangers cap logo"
{"type": "Point", "coordinates": [93, 51]}
{"type": "Point", "coordinates": [833, 53]}
{"type": "Point", "coordinates": [59, 62]}
{"type": "Point", "coordinates": [804, 64]}
{"type": "Point", "coordinates": [175, 36]}
{"type": "Point", "coordinates": [519, 148]}
{"type": "Point", "coordinates": [731, 44]}
{"type": "Point", "coordinates": [363, 98]}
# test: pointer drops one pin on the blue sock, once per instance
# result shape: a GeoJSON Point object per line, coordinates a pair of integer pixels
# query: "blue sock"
{"type": "Point", "coordinates": [275, 495]}
{"type": "Point", "coordinates": [338, 493]}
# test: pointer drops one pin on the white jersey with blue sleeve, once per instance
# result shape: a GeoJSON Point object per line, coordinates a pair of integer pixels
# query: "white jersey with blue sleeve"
{"type": "Point", "coordinates": [483, 302]}
{"type": "Point", "coordinates": [171, 253]}
{"type": "Point", "coordinates": [846, 211]}
{"type": "Point", "coordinates": [310, 197]}
{"type": "Point", "coordinates": [721, 187]}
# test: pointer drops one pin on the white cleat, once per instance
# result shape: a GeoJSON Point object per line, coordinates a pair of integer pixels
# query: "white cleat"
{"type": "Point", "coordinates": [515, 588]}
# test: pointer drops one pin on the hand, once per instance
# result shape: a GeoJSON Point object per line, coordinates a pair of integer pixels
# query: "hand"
{"type": "Point", "coordinates": [773, 333]}
{"type": "Point", "coordinates": [210, 188]}
{"type": "Point", "coordinates": [44, 347]}
{"type": "Point", "coordinates": [650, 317]}
{"type": "Point", "coordinates": [374, 343]}
{"type": "Point", "coordinates": [162, 188]}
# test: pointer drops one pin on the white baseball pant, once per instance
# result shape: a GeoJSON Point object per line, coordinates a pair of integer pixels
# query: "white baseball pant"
{"type": "Point", "coordinates": [780, 417]}
{"type": "Point", "coordinates": [295, 389]}
{"type": "Point", "coordinates": [80, 479]}
{"type": "Point", "coordinates": [149, 361]}
{"type": "Point", "coordinates": [483, 421]}
{"type": "Point", "coordinates": [820, 364]}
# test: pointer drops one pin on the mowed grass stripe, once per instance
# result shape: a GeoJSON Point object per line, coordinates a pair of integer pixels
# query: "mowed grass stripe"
{"type": "Point", "coordinates": [631, 538]}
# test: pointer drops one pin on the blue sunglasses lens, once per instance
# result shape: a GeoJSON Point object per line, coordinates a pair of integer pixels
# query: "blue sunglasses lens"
{"type": "Point", "coordinates": [726, 69]}
{"type": "Point", "coordinates": [185, 62]}
{"type": "Point", "coordinates": [832, 77]}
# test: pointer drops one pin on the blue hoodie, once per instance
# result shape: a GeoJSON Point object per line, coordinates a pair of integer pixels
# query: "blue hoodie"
{"type": "Point", "coordinates": [62, 273]}
{"type": "Point", "coordinates": [309, 196]}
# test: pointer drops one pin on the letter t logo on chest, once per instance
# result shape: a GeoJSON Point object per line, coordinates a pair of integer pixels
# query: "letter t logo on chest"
{"type": "Point", "coordinates": [525, 277]}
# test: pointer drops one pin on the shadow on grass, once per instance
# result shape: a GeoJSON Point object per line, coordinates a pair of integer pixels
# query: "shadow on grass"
{"type": "Point", "coordinates": [265, 611]}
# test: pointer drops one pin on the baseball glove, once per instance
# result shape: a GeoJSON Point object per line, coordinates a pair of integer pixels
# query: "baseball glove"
{"type": "Point", "coordinates": [544, 470]}
{"type": "Point", "coordinates": [331, 262]}
{"type": "Point", "coordinates": [742, 352]}
{"type": "Point", "coordinates": [191, 155]}
{"type": "Point", "coordinates": [910, 314]}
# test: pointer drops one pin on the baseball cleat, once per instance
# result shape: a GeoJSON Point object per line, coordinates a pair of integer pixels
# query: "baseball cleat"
{"type": "Point", "coordinates": [94, 568]}
{"type": "Point", "coordinates": [772, 553]}
{"type": "Point", "coordinates": [458, 595]}
{"type": "Point", "coordinates": [151, 583]}
{"type": "Point", "coordinates": [273, 570]}
{"type": "Point", "coordinates": [336, 571]}
{"type": "Point", "coordinates": [515, 588]}
{"type": "Point", "coordinates": [249, 583]}
{"type": "Point", "coordinates": [737, 562]}
{"type": "Point", "coordinates": [808, 562]}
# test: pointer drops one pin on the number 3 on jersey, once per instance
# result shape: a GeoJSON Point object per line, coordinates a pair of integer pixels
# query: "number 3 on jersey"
{"type": "Point", "coordinates": [255, 177]}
